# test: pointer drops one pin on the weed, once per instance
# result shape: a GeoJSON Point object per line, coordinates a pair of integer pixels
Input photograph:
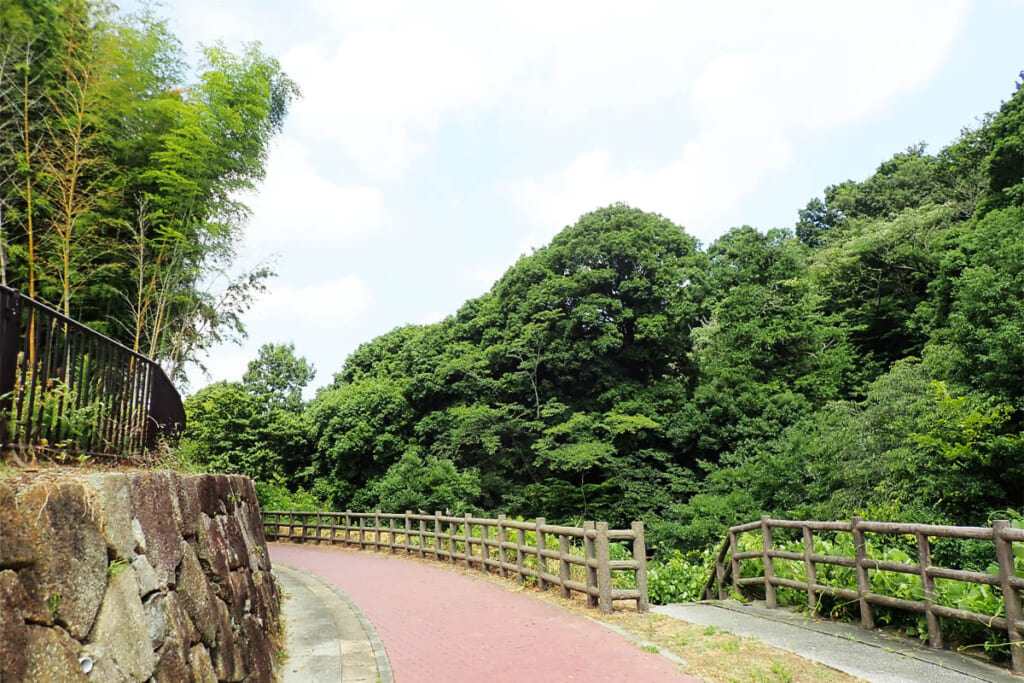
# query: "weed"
{"type": "Point", "coordinates": [781, 671]}
{"type": "Point", "coordinates": [116, 567]}
{"type": "Point", "coordinates": [732, 645]}
{"type": "Point", "coordinates": [53, 602]}
{"type": "Point", "coordinates": [651, 648]}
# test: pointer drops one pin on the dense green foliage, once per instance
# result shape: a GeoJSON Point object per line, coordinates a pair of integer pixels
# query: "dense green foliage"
{"type": "Point", "coordinates": [119, 179]}
{"type": "Point", "coordinates": [869, 361]}
{"type": "Point", "coordinates": [680, 577]}
{"type": "Point", "coordinates": [255, 426]}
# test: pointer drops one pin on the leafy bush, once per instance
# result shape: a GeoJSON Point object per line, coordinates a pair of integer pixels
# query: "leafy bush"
{"type": "Point", "coordinates": [678, 577]}
{"type": "Point", "coordinates": [428, 483]}
{"type": "Point", "coordinates": [276, 496]}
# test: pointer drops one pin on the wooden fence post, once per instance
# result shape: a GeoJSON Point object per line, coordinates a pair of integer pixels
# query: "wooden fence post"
{"type": "Point", "coordinates": [720, 577]}
{"type": "Point", "coordinates": [392, 538]}
{"type": "Point", "coordinates": [811, 569]}
{"type": "Point", "coordinates": [734, 566]}
{"type": "Point", "coordinates": [924, 556]}
{"type": "Point", "coordinates": [542, 563]}
{"type": "Point", "coordinates": [563, 564]}
{"type": "Point", "coordinates": [376, 531]}
{"type": "Point", "coordinates": [348, 526]}
{"type": "Point", "coordinates": [485, 552]}
{"type": "Point", "coordinates": [1011, 595]}
{"type": "Point", "coordinates": [590, 556]}
{"type": "Point", "coordinates": [438, 527]}
{"type": "Point", "coordinates": [604, 569]}
{"type": "Point", "coordinates": [408, 533]}
{"type": "Point", "coordinates": [469, 537]}
{"type": "Point", "coordinates": [770, 600]}
{"type": "Point", "coordinates": [318, 530]}
{"type": "Point", "coordinates": [423, 536]}
{"type": "Point", "coordinates": [867, 615]}
{"type": "Point", "coordinates": [640, 557]}
{"type": "Point", "coordinates": [520, 544]}
{"type": "Point", "coordinates": [501, 546]}
{"type": "Point", "coordinates": [451, 542]}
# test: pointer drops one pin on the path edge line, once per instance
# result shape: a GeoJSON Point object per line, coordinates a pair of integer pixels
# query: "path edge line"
{"type": "Point", "coordinates": [635, 639]}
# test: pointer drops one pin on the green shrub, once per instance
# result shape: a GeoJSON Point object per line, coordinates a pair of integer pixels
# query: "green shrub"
{"type": "Point", "coordinates": [678, 577]}
{"type": "Point", "coordinates": [276, 496]}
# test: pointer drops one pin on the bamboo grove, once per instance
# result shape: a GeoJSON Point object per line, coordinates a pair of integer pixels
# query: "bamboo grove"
{"type": "Point", "coordinates": [121, 169]}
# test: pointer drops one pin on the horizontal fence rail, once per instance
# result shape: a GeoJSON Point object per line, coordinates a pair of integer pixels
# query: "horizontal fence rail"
{"type": "Point", "coordinates": [583, 558]}
{"type": "Point", "coordinates": [67, 388]}
{"type": "Point", "coordinates": [1001, 534]}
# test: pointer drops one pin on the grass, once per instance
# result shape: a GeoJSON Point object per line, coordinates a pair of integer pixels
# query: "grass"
{"type": "Point", "coordinates": [716, 655]}
{"type": "Point", "coordinates": [710, 653]}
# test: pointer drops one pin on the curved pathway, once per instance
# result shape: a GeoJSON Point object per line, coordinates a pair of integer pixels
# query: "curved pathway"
{"type": "Point", "coordinates": [441, 625]}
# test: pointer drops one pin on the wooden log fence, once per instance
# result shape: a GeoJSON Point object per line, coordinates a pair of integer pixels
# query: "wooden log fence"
{"type": "Point", "coordinates": [726, 573]}
{"type": "Point", "coordinates": [486, 544]}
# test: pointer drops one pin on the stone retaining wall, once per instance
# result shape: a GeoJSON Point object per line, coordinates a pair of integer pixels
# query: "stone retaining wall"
{"type": "Point", "coordinates": [148, 576]}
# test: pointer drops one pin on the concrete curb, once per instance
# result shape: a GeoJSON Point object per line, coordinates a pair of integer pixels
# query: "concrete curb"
{"type": "Point", "coordinates": [361, 652]}
{"type": "Point", "coordinates": [645, 644]}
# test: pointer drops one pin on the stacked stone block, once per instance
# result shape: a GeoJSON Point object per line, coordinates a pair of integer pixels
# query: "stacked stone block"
{"type": "Point", "coordinates": [148, 576]}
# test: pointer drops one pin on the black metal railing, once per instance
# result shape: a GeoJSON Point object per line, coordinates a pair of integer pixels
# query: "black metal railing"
{"type": "Point", "coordinates": [66, 388]}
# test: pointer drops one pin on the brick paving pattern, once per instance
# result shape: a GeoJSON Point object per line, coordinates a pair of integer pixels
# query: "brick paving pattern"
{"type": "Point", "coordinates": [441, 625]}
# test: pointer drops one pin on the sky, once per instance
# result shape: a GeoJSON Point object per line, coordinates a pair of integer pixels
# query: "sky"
{"type": "Point", "coordinates": [437, 142]}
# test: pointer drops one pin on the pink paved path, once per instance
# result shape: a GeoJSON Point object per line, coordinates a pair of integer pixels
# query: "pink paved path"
{"type": "Point", "coordinates": [441, 625]}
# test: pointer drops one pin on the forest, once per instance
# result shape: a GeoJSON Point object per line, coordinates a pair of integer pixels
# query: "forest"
{"type": "Point", "coordinates": [868, 360]}
{"type": "Point", "coordinates": [122, 168]}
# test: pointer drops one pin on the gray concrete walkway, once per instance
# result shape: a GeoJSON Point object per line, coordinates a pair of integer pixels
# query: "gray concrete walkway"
{"type": "Point", "coordinates": [328, 637]}
{"type": "Point", "coordinates": [870, 655]}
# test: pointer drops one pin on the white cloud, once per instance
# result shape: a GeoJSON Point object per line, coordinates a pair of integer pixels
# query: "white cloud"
{"type": "Point", "coordinates": [295, 202]}
{"type": "Point", "coordinates": [485, 273]}
{"type": "Point", "coordinates": [432, 317]}
{"type": "Point", "coordinates": [223, 364]}
{"type": "Point", "coordinates": [399, 69]}
{"type": "Point", "coordinates": [381, 77]}
{"type": "Point", "coordinates": [808, 68]}
{"type": "Point", "coordinates": [312, 317]}
{"type": "Point", "coordinates": [202, 21]}
{"type": "Point", "coordinates": [329, 305]}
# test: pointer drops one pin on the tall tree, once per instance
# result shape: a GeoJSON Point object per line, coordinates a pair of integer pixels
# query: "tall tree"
{"type": "Point", "coordinates": [76, 168]}
{"type": "Point", "coordinates": [277, 376]}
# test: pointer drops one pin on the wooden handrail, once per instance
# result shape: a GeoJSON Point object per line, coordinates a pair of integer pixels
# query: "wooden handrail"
{"type": "Point", "coordinates": [456, 538]}
{"type": "Point", "coordinates": [1001, 534]}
